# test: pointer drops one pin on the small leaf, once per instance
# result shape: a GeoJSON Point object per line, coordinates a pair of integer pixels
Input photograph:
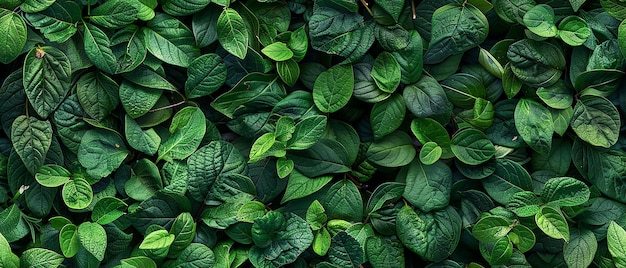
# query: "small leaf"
{"type": "Point", "coordinates": [77, 193]}
{"type": "Point", "coordinates": [552, 222]}
{"type": "Point", "coordinates": [333, 88]}
{"type": "Point", "coordinates": [261, 146]}
{"type": "Point", "coordinates": [277, 51]}
{"type": "Point", "coordinates": [68, 240]}
{"type": "Point", "coordinates": [541, 21]}
{"type": "Point", "coordinates": [158, 239]}
{"type": "Point", "coordinates": [13, 38]}
{"type": "Point", "coordinates": [307, 132]}
{"type": "Point", "coordinates": [574, 31]}
{"type": "Point", "coordinates": [387, 116]}
{"type": "Point", "coordinates": [490, 63]}
{"type": "Point", "coordinates": [183, 7]}
{"type": "Point", "coordinates": [430, 153]}
{"type": "Point", "coordinates": [145, 141]}
{"type": "Point", "coordinates": [232, 33]}
{"type": "Point", "coordinates": [289, 71]}
{"type": "Point", "coordinates": [316, 216]}
{"type": "Point", "coordinates": [98, 94]}
{"type": "Point", "coordinates": [386, 72]}
{"type": "Point", "coordinates": [491, 228]}
{"type": "Point", "coordinates": [498, 252]}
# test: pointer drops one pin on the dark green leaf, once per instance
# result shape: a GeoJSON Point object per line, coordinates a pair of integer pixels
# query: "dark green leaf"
{"type": "Point", "coordinates": [596, 121]}
{"type": "Point", "coordinates": [187, 130]}
{"type": "Point", "coordinates": [534, 123]}
{"type": "Point", "coordinates": [14, 38]}
{"type": "Point", "coordinates": [114, 14]}
{"type": "Point", "coordinates": [333, 88]}
{"type": "Point", "coordinates": [427, 186]}
{"type": "Point", "coordinates": [101, 152]}
{"type": "Point", "coordinates": [472, 146]}
{"type": "Point", "coordinates": [345, 251]}
{"type": "Point", "coordinates": [46, 78]}
{"type": "Point", "coordinates": [31, 140]}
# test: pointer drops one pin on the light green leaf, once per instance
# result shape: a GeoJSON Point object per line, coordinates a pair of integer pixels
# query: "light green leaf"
{"type": "Point", "coordinates": [552, 222]}
{"type": "Point", "coordinates": [428, 130]}
{"type": "Point", "coordinates": [158, 239]}
{"type": "Point", "coordinates": [93, 238]}
{"type": "Point", "coordinates": [289, 71]}
{"type": "Point", "coordinates": [472, 147]}
{"type": "Point", "coordinates": [333, 88]}
{"type": "Point", "coordinates": [77, 193]}
{"type": "Point", "coordinates": [69, 241]}
{"type": "Point", "coordinates": [523, 237]}
{"type": "Point", "coordinates": [188, 128]}
{"type": "Point", "coordinates": [251, 211]}
{"type": "Point", "coordinates": [32, 6]}
{"type": "Point", "coordinates": [565, 192]}
{"type": "Point", "coordinates": [31, 140]}
{"type": "Point", "coordinates": [206, 74]}
{"type": "Point", "coordinates": [427, 186]}
{"type": "Point", "coordinates": [616, 238]}
{"type": "Point", "coordinates": [557, 96]}
{"type": "Point", "coordinates": [261, 147]}
{"type": "Point", "coordinates": [114, 14]}
{"type": "Point", "coordinates": [184, 231]}
{"type": "Point", "coordinates": [316, 215]}
{"type": "Point", "coordinates": [541, 21]}
{"type": "Point", "coordinates": [138, 100]}
{"type": "Point", "coordinates": [456, 28]}
{"type": "Point", "coordinates": [596, 121]}
{"type": "Point", "coordinates": [144, 181]}
{"type": "Point", "coordinates": [98, 94]}
{"type": "Point", "coordinates": [498, 252]}
{"type": "Point", "coordinates": [98, 49]}
{"type": "Point", "coordinates": [13, 227]}
{"type": "Point", "coordinates": [491, 228]}
{"type": "Point", "coordinates": [581, 249]}
{"type": "Point", "coordinates": [574, 31]}
{"type": "Point", "coordinates": [137, 262]}
{"type": "Point", "coordinates": [52, 175]}
{"type": "Point", "coordinates": [46, 78]}
{"type": "Point", "coordinates": [58, 22]}
{"type": "Point", "coordinates": [107, 210]}
{"type": "Point", "coordinates": [307, 132]}
{"type": "Point", "coordinates": [41, 257]}
{"type": "Point", "coordinates": [277, 51]}
{"type": "Point", "coordinates": [232, 33]}
{"type": "Point", "coordinates": [386, 72]}
{"type": "Point", "coordinates": [284, 167]}
{"type": "Point", "coordinates": [534, 123]}
{"type": "Point", "coordinates": [524, 203]}
{"type": "Point", "coordinates": [321, 242]}
{"type": "Point", "coordinates": [299, 186]}
{"type": "Point", "coordinates": [430, 153]}
{"type": "Point", "coordinates": [101, 152]}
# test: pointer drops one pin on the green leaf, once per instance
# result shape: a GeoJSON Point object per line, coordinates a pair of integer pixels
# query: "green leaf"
{"type": "Point", "coordinates": [93, 238]}
{"type": "Point", "coordinates": [149, 78]}
{"type": "Point", "coordinates": [145, 141]}
{"type": "Point", "coordinates": [333, 88]}
{"type": "Point", "coordinates": [512, 85]}
{"type": "Point", "coordinates": [536, 63]}
{"type": "Point", "coordinates": [107, 210]}
{"type": "Point", "coordinates": [387, 116]}
{"type": "Point", "coordinates": [284, 167]}
{"type": "Point", "coordinates": [428, 130]}
{"type": "Point", "coordinates": [508, 179]}
{"type": "Point", "coordinates": [232, 33]}
{"type": "Point", "coordinates": [101, 152]}
{"type": "Point", "coordinates": [386, 72]}
{"type": "Point", "coordinates": [14, 34]}
{"type": "Point", "coordinates": [97, 46]}
{"type": "Point", "coordinates": [343, 201]}
{"type": "Point", "coordinates": [250, 211]}
{"type": "Point", "coordinates": [616, 238]}
{"type": "Point", "coordinates": [534, 123]}
{"type": "Point", "coordinates": [565, 192]}
{"type": "Point", "coordinates": [387, 192]}
{"type": "Point", "coordinates": [472, 147]}
{"type": "Point", "coordinates": [46, 78]}
{"type": "Point", "coordinates": [523, 237]}
{"type": "Point", "coordinates": [183, 7]}
{"type": "Point", "coordinates": [158, 239]}
{"type": "Point", "coordinates": [596, 121]}
{"type": "Point", "coordinates": [426, 98]}
{"type": "Point", "coordinates": [205, 75]}
{"type": "Point", "coordinates": [552, 222]}
{"type": "Point", "coordinates": [316, 215]}
{"type": "Point", "coordinates": [187, 130]}
{"type": "Point", "coordinates": [581, 249]}
{"type": "Point", "coordinates": [427, 186]}
{"type": "Point", "coordinates": [491, 228]}
{"type": "Point", "coordinates": [385, 252]}
{"type": "Point", "coordinates": [277, 51]}
{"type": "Point", "coordinates": [144, 180]}
{"type": "Point", "coordinates": [340, 33]}
{"type": "Point", "coordinates": [138, 100]}
{"type": "Point", "coordinates": [169, 40]}
{"type": "Point", "coordinates": [289, 71]}
{"type": "Point", "coordinates": [307, 132]}
{"type": "Point", "coordinates": [574, 31]}
{"type": "Point", "coordinates": [41, 257]}
{"type": "Point", "coordinates": [524, 203]}
{"type": "Point", "coordinates": [261, 147]}
{"type": "Point", "coordinates": [393, 150]}
{"type": "Point", "coordinates": [512, 11]}
{"type": "Point", "coordinates": [138, 262]}
{"type": "Point", "coordinates": [52, 175]}
{"type": "Point", "coordinates": [615, 8]}
{"type": "Point", "coordinates": [31, 140]}
{"type": "Point", "coordinates": [69, 241]}
{"type": "Point", "coordinates": [433, 236]}
{"type": "Point", "coordinates": [345, 251]}
{"type": "Point", "coordinates": [490, 63]}
{"type": "Point", "coordinates": [289, 240]}
{"type": "Point", "coordinates": [32, 6]}
{"type": "Point", "coordinates": [77, 193]}
{"type": "Point", "coordinates": [98, 94]}
{"type": "Point", "coordinates": [299, 186]}
{"type": "Point", "coordinates": [114, 14]}
{"type": "Point", "coordinates": [456, 28]}
{"type": "Point", "coordinates": [541, 21]}
{"type": "Point", "coordinates": [321, 242]}
{"type": "Point", "coordinates": [13, 227]}
{"type": "Point", "coordinates": [430, 153]}
{"type": "Point", "coordinates": [410, 59]}
{"type": "Point", "coordinates": [206, 165]}
{"type": "Point", "coordinates": [557, 96]}
{"type": "Point", "coordinates": [498, 252]}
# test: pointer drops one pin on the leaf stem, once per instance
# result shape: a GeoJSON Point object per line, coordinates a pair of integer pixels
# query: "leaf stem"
{"type": "Point", "coordinates": [413, 9]}
{"type": "Point", "coordinates": [167, 107]}
{"type": "Point", "coordinates": [366, 5]}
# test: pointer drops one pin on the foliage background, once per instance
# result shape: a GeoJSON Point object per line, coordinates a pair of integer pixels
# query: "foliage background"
{"type": "Point", "coordinates": [328, 133]}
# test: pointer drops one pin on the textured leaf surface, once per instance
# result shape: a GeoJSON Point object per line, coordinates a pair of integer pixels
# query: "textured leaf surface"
{"type": "Point", "coordinates": [31, 140]}
{"type": "Point", "coordinates": [46, 78]}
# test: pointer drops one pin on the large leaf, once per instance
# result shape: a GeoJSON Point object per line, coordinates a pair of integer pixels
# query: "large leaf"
{"type": "Point", "coordinates": [616, 236]}
{"type": "Point", "coordinates": [552, 222]}
{"type": "Point", "coordinates": [603, 168]}
{"type": "Point", "coordinates": [299, 186]}
{"type": "Point", "coordinates": [393, 150]}
{"type": "Point", "coordinates": [472, 147]}
{"type": "Point", "coordinates": [534, 123]}
{"type": "Point", "coordinates": [410, 60]}
{"type": "Point", "coordinates": [206, 74]}
{"type": "Point", "coordinates": [98, 49]}
{"type": "Point", "coordinates": [46, 78]}
{"type": "Point", "coordinates": [114, 14]}
{"type": "Point", "coordinates": [13, 38]}
{"type": "Point", "coordinates": [98, 94]}
{"type": "Point", "coordinates": [426, 98]}
{"type": "Point", "coordinates": [101, 152]}
{"type": "Point", "coordinates": [183, 7]}
{"type": "Point", "coordinates": [427, 186]}
{"type": "Point", "coordinates": [187, 130]}
{"type": "Point", "coordinates": [536, 63]}
{"type": "Point", "coordinates": [286, 242]}
{"type": "Point", "coordinates": [170, 40]}
{"type": "Point", "coordinates": [343, 201]}
{"type": "Point", "coordinates": [40, 257]}
{"type": "Point", "coordinates": [31, 140]}
{"type": "Point", "coordinates": [387, 115]}
{"type": "Point", "coordinates": [456, 28]}
{"type": "Point", "coordinates": [386, 72]}
{"type": "Point", "coordinates": [77, 193]}
{"type": "Point", "coordinates": [345, 251]}
{"type": "Point", "coordinates": [508, 178]}
{"type": "Point", "coordinates": [93, 238]}
{"type": "Point", "coordinates": [565, 191]}
{"type": "Point", "coordinates": [333, 88]}
{"type": "Point", "coordinates": [58, 22]}
{"type": "Point", "coordinates": [232, 33]}
{"type": "Point", "coordinates": [581, 249]}
{"type": "Point", "coordinates": [596, 121]}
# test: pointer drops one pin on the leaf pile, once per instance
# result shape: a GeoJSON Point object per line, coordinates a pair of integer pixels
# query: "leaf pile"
{"type": "Point", "coordinates": [301, 133]}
